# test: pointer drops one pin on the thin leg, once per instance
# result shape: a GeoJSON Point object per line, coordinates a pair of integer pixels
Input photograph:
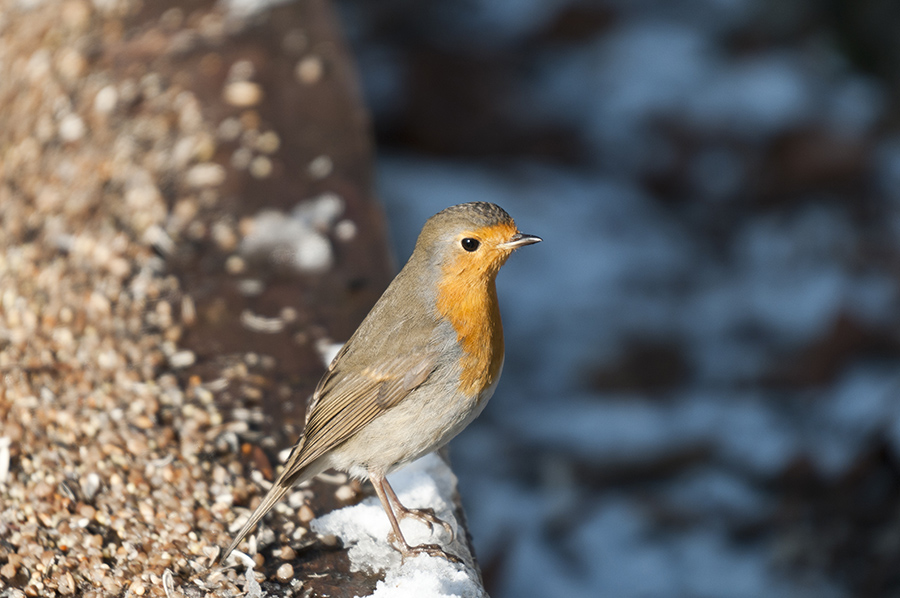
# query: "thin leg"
{"type": "Point", "coordinates": [426, 516]}
{"type": "Point", "coordinates": [405, 549]}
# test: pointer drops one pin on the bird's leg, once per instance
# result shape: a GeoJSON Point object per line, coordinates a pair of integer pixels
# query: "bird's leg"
{"type": "Point", "coordinates": [426, 516]}
{"type": "Point", "coordinates": [396, 538]}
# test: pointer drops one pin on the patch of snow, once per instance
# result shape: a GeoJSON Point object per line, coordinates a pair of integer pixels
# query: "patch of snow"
{"type": "Point", "coordinates": [247, 8]}
{"type": "Point", "coordinates": [298, 239]}
{"type": "Point", "coordinates": [364, 528]}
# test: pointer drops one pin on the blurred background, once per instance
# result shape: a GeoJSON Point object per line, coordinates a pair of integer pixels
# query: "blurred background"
{"type": "Point", "coordinates": [700, 392]}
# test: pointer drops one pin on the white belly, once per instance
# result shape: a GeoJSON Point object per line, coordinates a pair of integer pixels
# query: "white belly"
{"type": "Point", "coordinates": [422, 422]}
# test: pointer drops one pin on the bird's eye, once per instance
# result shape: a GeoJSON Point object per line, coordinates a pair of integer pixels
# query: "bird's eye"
{"type": "Point", "coordinates": [470, 244]}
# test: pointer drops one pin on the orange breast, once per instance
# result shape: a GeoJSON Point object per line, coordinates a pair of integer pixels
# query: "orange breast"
{"type": "Point", "coordinates": [467, 298]}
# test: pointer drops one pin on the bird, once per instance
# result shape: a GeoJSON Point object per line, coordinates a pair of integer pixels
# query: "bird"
{"type": "Point", "coordinates": [420, 367]}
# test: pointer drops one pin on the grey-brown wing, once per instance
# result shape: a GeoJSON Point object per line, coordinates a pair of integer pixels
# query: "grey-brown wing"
{"type": "Point", "coordinates": [345, 401]}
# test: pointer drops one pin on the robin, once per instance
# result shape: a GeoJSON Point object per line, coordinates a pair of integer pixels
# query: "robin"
{"type": "Point", "coordinates": [418, 370]}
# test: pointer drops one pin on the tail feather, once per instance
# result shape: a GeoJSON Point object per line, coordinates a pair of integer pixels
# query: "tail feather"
{"type": "Point", "coordinates": [275, 494]}
{"type": "Point", "coordinates": [294, 472]}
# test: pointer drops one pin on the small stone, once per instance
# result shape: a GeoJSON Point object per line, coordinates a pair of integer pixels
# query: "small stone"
{"type": "Point", "coordinates": [320, 167]}
{"type": "Point", "coordinates": [288, 554]}
{"type": "Point", "coordinates": [285, 573]}
{"type": "Point", "coordinates": [106, 99]}
{"type": "Point", "coordinates": [108, 360]}
{"type": "Point", "coordinates": [305, 514]}
{"type": "Point", "coordinates": [268, 142]}
{"type": "Point", "coordinates": [71, 128]}
{"type": "Point", "coordinates": [329, 540]}
{"type": "Point", "coordinates": [235, 264]}
{"type": "Point", "coordinates": [76, 14]}
{"type": "Point", "coordinates": [182, 359]}
{"type": "Point", "coordinates": [205, 175]}
{"type": "Point", "coordinates": [90, 484]}
{"type": "Point", "coordinates": [242, 70]}
{"type": "Point", "coordinates": [251, 287]}
{"type": "Point", "coordinates": [243, 94]}
{"type": "Point", "coordinates": [71, 63]}
{"type": "Point", "coordinates": [309, 70]}
{"type": "Point", "coordinates": [313, 253]}
{"type": "Point", "coordinates": [224, 236]}
{"type": "Point", "coordinates": [345, 493]}
{"type": "Point", "coordinates": [261, 167]}
{"type": "Point", "coordinates": [66, 584]}
{"type": "Point", "coordinates": [229, 129]}
{"type": "Point", "coordinates": [241, 158]}
{"type": "Point", "coordinates": [345, 230]}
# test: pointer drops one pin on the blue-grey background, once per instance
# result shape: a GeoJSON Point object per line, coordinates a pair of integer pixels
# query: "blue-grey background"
{"type": "Point", "coordinates": [700, 396]}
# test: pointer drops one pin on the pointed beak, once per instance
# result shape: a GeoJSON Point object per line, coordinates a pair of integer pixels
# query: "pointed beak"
{"type": "Point", "coordinates": [519, 240]}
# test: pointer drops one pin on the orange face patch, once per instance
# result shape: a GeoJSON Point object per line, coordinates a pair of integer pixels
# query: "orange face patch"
{"type": "Point", "coordinates": [467, 297]}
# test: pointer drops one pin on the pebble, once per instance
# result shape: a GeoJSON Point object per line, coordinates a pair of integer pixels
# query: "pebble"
{"type": "Point", "coordinates": [243, 94]}
{"type": "Point", "coordinates": [241, 158]}
{"type": "Point", "coordinates": [71, 128]}
{"type": "Point", "coordinates": [235, 264]}
{"type": "Point", "coordinates": [241, 70]}
{"type": "Point", "coordinates": [71, 63]}
{"type": "Point", "coordinates": [345, 493]}
{"type": "Point", "coordinates": [229, 129]}
{"type": "Point", "coordinates": [90, 484]}
{"type": "Point", "coordinates": [345, 230]}
{"type": "Point", "coordinates": [224, 236]}
{"type": "Point", "coordinates": [320, 167]}
{"type": "Point", "coordinates": [268, 142]}
{"type": "Point", "coordinates": [305, 514]}
{"type": "Point", "coordinates": [313, 253]}
{"type": "Point", "coordinates": [288, 554]}
{"type": "Point", "coordinates": [182, 359]}
{"type": "Point", "coordinates": [260, 167]}
{"type": "Point", "coordinates": [106, 99]}
{"type": "Point", "coordinates": [285, 573]}
{"type": "Point", "coordinates": [310, 70]}
{"type": "Point", "coordinates": [205, 175]}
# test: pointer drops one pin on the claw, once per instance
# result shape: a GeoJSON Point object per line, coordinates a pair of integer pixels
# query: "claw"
{"type": "Point", "coordinates": [390, 502]}
{"type": "Point", "coordinates": [430, 549]}
{"type": "Point", "coordinates": [427, 517]}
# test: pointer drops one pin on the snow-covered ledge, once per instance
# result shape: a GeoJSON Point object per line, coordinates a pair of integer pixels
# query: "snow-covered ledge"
{"type": "Point", "coordinates": [364, 529]}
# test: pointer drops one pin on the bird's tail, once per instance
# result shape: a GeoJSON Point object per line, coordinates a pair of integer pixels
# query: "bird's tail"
{"type": "Point", "coordinates": [281, 487]}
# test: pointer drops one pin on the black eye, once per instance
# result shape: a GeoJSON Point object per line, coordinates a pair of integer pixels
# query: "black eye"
{"type": "Point", "coordinates": [470, 244]}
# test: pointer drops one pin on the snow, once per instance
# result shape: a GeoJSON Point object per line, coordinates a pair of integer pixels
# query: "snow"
{"type": "Point", "coordinates": [297, 239]}
{"type": "Point", "coordinates": [426, 483]}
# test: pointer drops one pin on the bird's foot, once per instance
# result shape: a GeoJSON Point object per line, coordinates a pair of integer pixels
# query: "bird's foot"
{"type": "Point", "coordinates": [430, 549]}
{"type": "Point", "coordinates": [427, 517]}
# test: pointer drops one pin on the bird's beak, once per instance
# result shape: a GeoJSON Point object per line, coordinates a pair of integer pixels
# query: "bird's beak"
{"type": "Point", "coordinates": [519, 240]}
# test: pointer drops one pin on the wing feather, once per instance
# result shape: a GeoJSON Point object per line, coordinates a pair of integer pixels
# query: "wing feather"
{"type": "Point", "coordinates": [347, 401]}
{"type": "Point", "coordinates": [342, 404]}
